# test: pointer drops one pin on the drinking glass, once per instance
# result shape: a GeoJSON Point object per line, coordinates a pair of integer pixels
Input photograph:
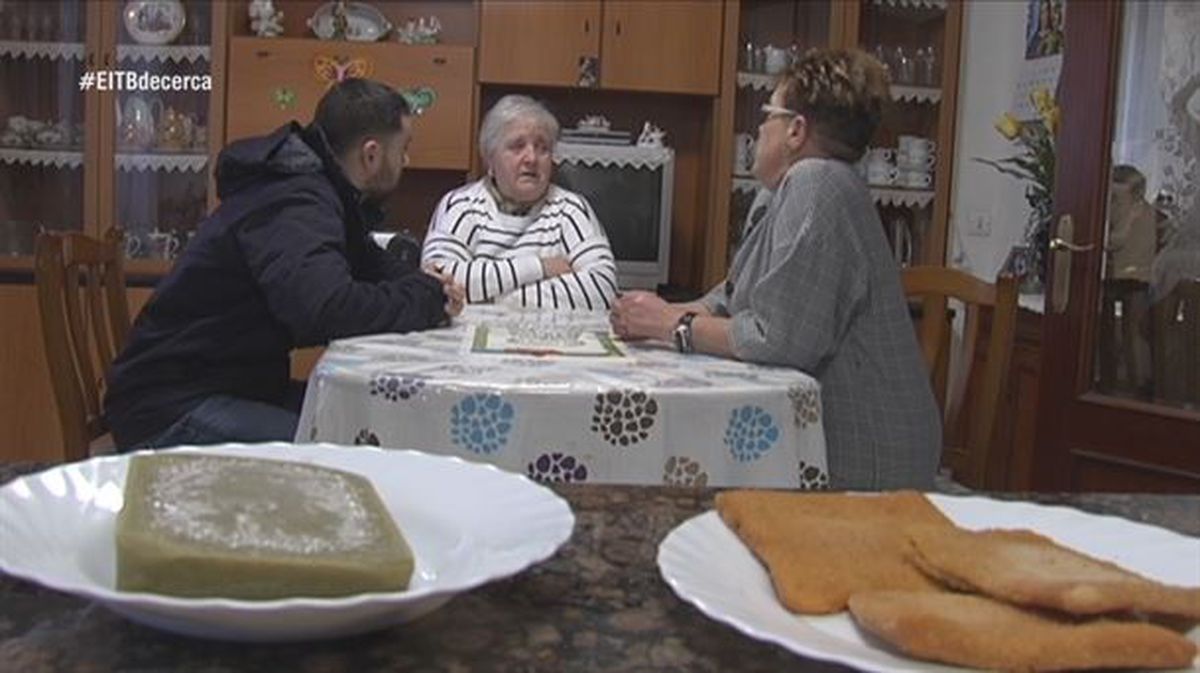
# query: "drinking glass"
{"type": "Point", "coordinates": [926, 66]}
{"type": "Point", "coordinates": [904, 67]}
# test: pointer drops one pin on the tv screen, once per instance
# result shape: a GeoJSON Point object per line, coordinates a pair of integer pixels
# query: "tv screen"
{"type": "Point", "coordinates": [630, 189]}
{"type": "Point", "coordinates": [628, 202]}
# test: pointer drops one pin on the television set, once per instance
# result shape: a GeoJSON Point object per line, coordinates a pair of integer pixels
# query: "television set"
{"type": "Point", "coordinates": [630, 188]}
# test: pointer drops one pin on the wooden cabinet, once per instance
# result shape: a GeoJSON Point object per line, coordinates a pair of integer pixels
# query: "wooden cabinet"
{"type": "Point", "coordinates": [88, 151]}
{"type": "Point", "coordinates": [273, 81]}
{"type": "Point", "coordinates": [671, 46]}
{"type": "Point", "coordinates": [917, 39]}
{"type": "Point", "coordinates": [543, 43]}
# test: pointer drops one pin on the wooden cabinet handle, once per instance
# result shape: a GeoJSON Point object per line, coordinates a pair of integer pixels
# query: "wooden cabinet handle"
{"type": "Point", "coordinates": [587, 26]}
{"type": "Point", "coordinates": [618, 28]}
{"type": "Point", "coordinates": [262, 53]}
{"type": "Point", "coordinates": [439, 60]}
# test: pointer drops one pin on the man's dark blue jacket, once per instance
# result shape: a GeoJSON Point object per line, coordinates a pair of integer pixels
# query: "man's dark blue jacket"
{"type": "Point", "coordinates": [285, 262]}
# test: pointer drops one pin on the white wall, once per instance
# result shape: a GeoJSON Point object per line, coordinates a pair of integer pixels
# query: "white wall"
{"type": "Point", "coordinates": [991, 58]}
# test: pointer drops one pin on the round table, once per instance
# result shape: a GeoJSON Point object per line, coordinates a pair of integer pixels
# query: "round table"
{"type": "Point", "coordinates": [639, 413]}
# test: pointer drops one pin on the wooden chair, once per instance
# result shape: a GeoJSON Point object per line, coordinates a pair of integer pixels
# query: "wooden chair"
{"type": "Point", "coordinates": [85, 323]}
{"type": "Point", "coordinates": [968, 454]}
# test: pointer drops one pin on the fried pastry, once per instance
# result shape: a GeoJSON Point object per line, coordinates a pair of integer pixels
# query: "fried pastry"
{"type": "Point", "coordinates": [821, 548]}
{"type": "Point", "coordinates": [1023, 567]}
{"type": "Point", "coordinates": [970, 630]}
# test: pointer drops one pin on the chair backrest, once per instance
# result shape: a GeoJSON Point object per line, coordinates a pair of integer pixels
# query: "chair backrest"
{"type": "Point", "coordinates": [967, 453]}
{"type": "Point", "coordinates": [85, 323]}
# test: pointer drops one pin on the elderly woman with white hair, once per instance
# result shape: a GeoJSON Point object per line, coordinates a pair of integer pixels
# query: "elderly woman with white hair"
{"type": "Point", "coordinates": [513, 236]}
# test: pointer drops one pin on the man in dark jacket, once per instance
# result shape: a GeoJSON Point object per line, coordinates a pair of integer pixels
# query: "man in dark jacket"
{"type": "Point", "coordinates": [285, 262]}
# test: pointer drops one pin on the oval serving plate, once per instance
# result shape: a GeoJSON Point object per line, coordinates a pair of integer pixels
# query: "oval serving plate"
{"type": "Point", "coordinates": [364, 23]}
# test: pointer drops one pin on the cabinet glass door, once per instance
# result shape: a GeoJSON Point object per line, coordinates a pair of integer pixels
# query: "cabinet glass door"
{"type": "Point", "coordinates": [161, 123]}
{"type": "Point", "coordinates": [42, 121]}
{"type": "Point", "coordinates": [772, 34]}
{"type": "Point", "coordinates": [905, 167]}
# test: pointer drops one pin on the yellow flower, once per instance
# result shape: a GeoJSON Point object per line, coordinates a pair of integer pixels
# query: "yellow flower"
{"type": "Point", "coordinates": [1052, 118]}
{"type": "Point", "coordinates": [1041, 99]}
{"type": "Point", "coordinates": [1008, 126]}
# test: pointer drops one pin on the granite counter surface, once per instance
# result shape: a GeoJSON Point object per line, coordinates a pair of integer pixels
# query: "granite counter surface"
{"type": "Point", "coordinates": [597, 605]}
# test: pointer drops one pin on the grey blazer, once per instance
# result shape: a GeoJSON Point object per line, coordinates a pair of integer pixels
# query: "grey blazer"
{"type": "Point", "coordinates": [814, 286]}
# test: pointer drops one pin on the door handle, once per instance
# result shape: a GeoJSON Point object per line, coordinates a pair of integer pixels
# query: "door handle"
{"type": "Point", "coordinates": [1058, 244]}
{"type": "Point", "coordinates": [1064, 249]}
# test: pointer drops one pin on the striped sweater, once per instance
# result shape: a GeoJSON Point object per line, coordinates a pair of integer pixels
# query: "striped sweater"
{"type": "Point", "coordinates": [497, 257]}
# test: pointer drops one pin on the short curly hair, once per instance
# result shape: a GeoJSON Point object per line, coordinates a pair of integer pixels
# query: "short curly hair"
{"type": "Point", "coordinates": [841, 92]}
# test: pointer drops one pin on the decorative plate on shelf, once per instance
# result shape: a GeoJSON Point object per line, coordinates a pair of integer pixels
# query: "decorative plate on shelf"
{"type": "Point", "coordinates": [708, 566]}
{"type": "Point", "coordinates": [467, 523]}
{"type": "Point", "coordinates": [154, 21]}
{"type": "Point", "coordinates": [363, 23]}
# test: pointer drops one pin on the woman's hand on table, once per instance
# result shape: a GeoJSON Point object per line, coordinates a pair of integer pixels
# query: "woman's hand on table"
{"type": "Point", "coordinates": [643, 315]}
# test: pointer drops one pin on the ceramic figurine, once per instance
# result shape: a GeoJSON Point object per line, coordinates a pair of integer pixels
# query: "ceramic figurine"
{"type": "Point", "coordinates": [265, 20]}
{"type": "Point", "coordinates": [420, 31]}
{"type": "Point", "coordinates": [651, 136]}
{"type": "Point", "coordinates": [341, 22]}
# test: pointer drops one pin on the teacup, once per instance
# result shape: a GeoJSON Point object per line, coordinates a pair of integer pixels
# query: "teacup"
{"type": "Point", "coordinates": [743, 156]}
{"type": "Point", "coordinates": [776, 59]}
{"type": "Point", "coordinates": [133, 245]}
{"type": "Point", "coordinates": [914, 145]}
{"type": "Point", "coordinates": [881, 174]}
{"type": "Point", "coordinates": [916, 179]}
{"type": "Point", "coordinates": [917, 162]}
{"type": "Point", "coordinates": [885, 154]}
{"type": "Point", "coordinates": [163, 245]}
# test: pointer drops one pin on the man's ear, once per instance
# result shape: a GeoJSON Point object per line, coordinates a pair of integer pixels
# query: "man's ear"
{"type": "Point", "coordinates": [371, 150]}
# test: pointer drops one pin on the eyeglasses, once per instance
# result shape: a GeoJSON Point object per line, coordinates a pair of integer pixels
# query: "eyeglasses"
{"type": "Point", "coordinates": [777, 111]}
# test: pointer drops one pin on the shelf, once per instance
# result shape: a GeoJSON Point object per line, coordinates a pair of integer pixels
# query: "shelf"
{"type": "Point", "coordinates": [174, 53]}
{"type": "Point", "coordinates": [31, 157]}
{"type": "Point", "coordinates": [182, 161]}
{"type": "Point", "coordinates": [913, 4]}
{"type": "Point", "coordinates": [744, 184]}
{"type": "Point", "coordinates": [911, 198]}
{"type": "Point", "coordinates": [628, 156]}
{"type": "Point", "coordinates": [51, 50]}
{"type": "Point", "coordinates": [916, 94]}
{"type": "Point", "coordinates": [756, 80]}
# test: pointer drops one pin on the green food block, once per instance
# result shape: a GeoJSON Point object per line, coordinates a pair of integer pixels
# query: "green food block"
{"type": "Point", "coordinates": [248, 528]}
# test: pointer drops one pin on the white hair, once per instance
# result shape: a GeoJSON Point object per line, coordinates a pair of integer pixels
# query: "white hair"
{"type": "Point", "coordinates": [507, 110]}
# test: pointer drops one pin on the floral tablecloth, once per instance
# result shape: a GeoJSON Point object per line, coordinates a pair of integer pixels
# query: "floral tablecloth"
{"type": "Point", "coordinates": [646, 416]}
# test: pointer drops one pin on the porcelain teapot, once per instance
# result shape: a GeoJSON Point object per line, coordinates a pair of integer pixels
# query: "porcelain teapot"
{"type": "Point", "coordinates": [136, 125]}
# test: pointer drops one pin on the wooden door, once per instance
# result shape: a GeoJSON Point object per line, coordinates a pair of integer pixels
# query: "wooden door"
{"type": "Point", "coordinates": [1109, 419]}
{"type": "Point", "coordinates": [538, 42]}
{"type": "Point", "coordinates": [661, 45]}
{"type": "Point", "coordinates": [276, 80]}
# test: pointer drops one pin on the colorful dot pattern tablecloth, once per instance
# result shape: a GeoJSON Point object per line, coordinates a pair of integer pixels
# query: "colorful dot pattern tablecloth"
{"type": "Point", "coordinates": [643, 414]}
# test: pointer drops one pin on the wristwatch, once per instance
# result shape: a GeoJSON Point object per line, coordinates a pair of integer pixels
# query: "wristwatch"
{"type": "Point", "coordinates": [683, 333]}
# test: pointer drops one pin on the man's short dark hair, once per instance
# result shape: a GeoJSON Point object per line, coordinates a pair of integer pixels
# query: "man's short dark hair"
{"type": "Point", "coordinates": [354, 109]}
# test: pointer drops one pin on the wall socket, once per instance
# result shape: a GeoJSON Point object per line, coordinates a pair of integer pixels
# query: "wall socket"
{"type": "Point", "coordinates": [979, 224]}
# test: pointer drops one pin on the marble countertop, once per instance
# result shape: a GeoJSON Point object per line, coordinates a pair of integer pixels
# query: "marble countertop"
{"type": "Point", "coordinates": [598, 605]}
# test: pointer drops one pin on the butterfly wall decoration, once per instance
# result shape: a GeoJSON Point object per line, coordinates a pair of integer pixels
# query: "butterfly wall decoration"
{"type": "Point", "coordinates": [334, 69]}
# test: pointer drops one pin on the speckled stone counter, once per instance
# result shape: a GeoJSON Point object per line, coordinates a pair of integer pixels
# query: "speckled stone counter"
{"type": "Point", "coordinates": [598, 605]}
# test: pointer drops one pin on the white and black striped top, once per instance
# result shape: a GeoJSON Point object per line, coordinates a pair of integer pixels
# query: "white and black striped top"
{"type": "Point", "coordinates": [496, 257]}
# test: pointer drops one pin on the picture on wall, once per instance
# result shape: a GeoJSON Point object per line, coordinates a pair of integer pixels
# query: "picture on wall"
{"type": "Point", "coordinates": [1044, 28]}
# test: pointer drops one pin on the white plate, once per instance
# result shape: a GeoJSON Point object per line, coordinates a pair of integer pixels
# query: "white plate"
{"type": "Point", "coordinates": [708, 566]}
{"type": "Point", "coordinates": [467, 523]}
{"type": "Point", "coordinates": [364, 23]}
{"type": "Point", "coordinates": [154, 21]}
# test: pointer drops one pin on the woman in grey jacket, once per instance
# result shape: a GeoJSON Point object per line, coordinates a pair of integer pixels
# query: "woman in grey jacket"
{"type": "Point", "coordinates": [814, 285]}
